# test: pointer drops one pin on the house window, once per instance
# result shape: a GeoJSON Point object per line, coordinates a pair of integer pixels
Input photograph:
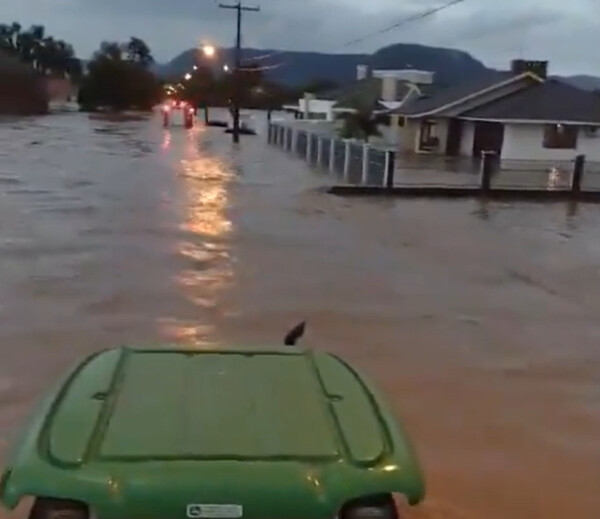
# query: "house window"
{"type": "Point", "coordinates": [428, 140]}
{"type": "Point", "coordinates": [384, 120]}
{"type": "Point", "coordinates": [560, 136]}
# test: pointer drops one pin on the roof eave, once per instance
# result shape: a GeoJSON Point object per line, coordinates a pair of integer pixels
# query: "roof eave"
{"type": "Point", "coordinates": [529, 121]}
{"type": "Point", "coordinates": [456, 102]}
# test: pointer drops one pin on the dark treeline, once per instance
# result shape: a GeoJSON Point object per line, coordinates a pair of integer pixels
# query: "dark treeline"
{"type": "Point", "coordinates": [204, 88]}
{"type": "Point", "coordinates": [33, 47]}
{"type": "Point", "coordinates": [119, 78]}
{"type": "Point", "coordinates": [27, 58]}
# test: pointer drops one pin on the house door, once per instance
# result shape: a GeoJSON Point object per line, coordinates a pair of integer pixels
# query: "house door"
{"type": "Point", "coordinates": [488, 137]}
{"type": "Point", "coordinates": [454, 137]}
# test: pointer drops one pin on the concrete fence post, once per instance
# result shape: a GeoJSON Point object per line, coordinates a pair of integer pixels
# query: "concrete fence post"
{"type": "Point", "coordinates": [308, 146]}
{"type": "Point", "coordinates": [282, 137]}
{"type": "Point", "coordinates": [332, 155]}
{"type": "Point", "coordinates": [577, 175]}
{"type": "Point", "coordinates": [365, 164]}
{"type": "Point", "coordinates": [295, 137]}
{"type": "Point", "coordinates": [487, 168]}
{"type": "Point", "coordinates": [319, 150]}
{"type": "Point", "coordinates": [346, 160]}
{"type": "Point", "coordinates": [389, 169]}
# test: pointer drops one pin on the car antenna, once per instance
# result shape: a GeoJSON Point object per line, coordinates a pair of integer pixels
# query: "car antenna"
{"type": "Point", "coordinates": [294, 334]}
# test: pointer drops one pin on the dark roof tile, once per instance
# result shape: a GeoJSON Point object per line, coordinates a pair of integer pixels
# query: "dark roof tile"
{"type": "Point", "coordinates": [552, 100]}
{"type": "Point", "coordinates": [437, 95]}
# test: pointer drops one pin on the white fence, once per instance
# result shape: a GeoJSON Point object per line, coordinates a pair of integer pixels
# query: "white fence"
{"type": "Point", "coordinates": [354, 161]}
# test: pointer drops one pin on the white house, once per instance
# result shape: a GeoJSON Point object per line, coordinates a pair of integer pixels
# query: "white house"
{"type": "Point", "coordinates": [377, 90]}
{"type": "Point", "coordinates": [519, 114]}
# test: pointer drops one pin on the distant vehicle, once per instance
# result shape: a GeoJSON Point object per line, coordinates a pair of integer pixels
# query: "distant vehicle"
{"type": "Point", "coordinates": [223, 434]}
{"type": "Point", "coordinates": [172, 107]}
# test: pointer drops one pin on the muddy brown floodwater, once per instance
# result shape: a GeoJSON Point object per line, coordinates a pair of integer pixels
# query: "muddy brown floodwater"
{"type": "Point", "coordinates": [480, 323]}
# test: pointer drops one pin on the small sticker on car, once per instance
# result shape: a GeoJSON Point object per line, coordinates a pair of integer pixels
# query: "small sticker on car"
{"type": "Point", "coordinates": [210, 511]}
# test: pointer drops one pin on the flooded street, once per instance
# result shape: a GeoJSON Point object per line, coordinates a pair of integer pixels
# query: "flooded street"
{"type": "Point", "coordinates": [479, 322]}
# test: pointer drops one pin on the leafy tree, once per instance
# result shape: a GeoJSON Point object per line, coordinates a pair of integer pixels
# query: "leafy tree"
{"type": "Point", "coordinates": [138, 51]}
{"type": "Point", "coordinates": [22, 91]}
{"type": "Point", "coordinates": [119, 80]}
{"type": "Point", "coordinates": [109, 50]}
{"type": "Point", "coordinates": [319, 85]}
{"type": "Point", "coordinates": [43, 53]}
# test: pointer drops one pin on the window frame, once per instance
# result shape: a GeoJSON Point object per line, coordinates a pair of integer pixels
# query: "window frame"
{"type": "Point", "coordinates": [554, 140]}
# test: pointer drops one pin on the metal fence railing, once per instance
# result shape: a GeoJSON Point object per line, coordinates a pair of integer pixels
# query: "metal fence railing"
{"type": "Point", "coordinates": [356, 163]}
{"type": "Point", "coordinates": [352, 162]}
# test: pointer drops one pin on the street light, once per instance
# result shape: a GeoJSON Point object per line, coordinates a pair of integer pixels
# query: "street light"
{"type": "Point", "coordinates": [209, 51]}
{"type": "Point", "coordinates": [187, 77]}
{"type": "Point", "coordinates": [225, 68]}
{"type": "Point", "coordinates": [195, 67]}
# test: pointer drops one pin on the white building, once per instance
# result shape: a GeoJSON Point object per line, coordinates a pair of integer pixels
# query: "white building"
{"type": "Point", "coordinates": [520, 115]}
{"type": "Point", "coordinates": [376, 90]}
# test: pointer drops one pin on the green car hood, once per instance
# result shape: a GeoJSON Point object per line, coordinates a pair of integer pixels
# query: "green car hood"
{"type": "Point", "coordinates": [282, 434]}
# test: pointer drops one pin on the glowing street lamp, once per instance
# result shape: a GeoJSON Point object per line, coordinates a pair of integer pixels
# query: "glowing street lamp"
{"type": "Point", "coordinates": [209, 51]}
{"type": "Point", "coordinates": [195, 67]}
{"type": "Point", "coordinates": [225, 68]}
{"type": "Point", "coordinates": [187, 77]}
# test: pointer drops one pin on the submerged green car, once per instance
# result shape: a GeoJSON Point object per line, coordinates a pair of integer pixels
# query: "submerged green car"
{"type": "Point", "coordinates": [169, 434]}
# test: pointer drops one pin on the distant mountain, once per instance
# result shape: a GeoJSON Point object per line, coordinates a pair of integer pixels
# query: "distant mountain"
{"type": "Point", "coordinates": [583, 81]}
{"type": "Point", "coordinates": [450, 65]}
{"type": "Point", "coordinates": [294, 69]}
{"type": "Point", "coordinates": [285, 67]}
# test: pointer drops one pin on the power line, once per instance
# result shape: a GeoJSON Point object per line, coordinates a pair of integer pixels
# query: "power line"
{"type": "Point", "coordinates": [412, 18]}
{"type": "Point", "coordinates": [265, 56]}
{"type": "Point", "coordinates": [404, 21]}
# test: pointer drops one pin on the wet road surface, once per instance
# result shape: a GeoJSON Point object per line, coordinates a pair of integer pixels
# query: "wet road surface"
{"type": "Point", "coordinates": [479, 322]}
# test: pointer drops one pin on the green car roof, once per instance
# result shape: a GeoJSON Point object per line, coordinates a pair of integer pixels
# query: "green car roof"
{"type": "Point", "coordinates": [291, 433]}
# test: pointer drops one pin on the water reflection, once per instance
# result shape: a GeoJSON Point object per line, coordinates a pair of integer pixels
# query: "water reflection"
{"type": "Point", "coordinates": [205, 182]}
{"type": "Point", "coordinates": [189, 334]}
{"type": "Point", "coordinates": [166, 143]}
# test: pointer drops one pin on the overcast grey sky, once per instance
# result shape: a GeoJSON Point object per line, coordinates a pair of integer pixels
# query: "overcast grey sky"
{"type": "Point", "coordinates": [494, 31]}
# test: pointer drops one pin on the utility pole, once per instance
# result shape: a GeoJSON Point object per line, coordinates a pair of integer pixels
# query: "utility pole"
{"type": "Point", "coordinates": [238, 62]}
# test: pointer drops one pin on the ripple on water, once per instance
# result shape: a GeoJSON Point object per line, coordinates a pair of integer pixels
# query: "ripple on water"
{"type": "Point", "coordinates": [78, 182]}
{"type": "Point", "coordinates": [28, 191]}
{"type": "Point", "coordinates": [10, 180]}
{"type": "Point", "coordinates": [64, 210]}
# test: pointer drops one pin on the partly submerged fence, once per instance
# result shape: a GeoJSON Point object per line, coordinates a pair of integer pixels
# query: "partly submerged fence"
{"type": "Point", "coordinates": [356, 162]}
